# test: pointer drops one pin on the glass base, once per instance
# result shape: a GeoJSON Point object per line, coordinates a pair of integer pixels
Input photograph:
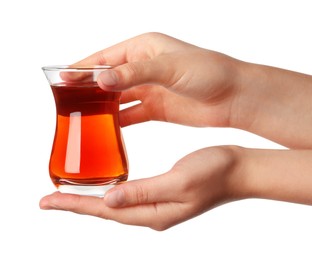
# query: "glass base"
{"type": "Point", "coordinates": [98, 191]}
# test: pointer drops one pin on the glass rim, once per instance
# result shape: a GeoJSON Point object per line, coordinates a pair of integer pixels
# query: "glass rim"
{"type": "Point", "coordinates": [72, 68]}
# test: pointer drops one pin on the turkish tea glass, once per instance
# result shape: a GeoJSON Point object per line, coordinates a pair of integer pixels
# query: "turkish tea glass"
{"type": "Point", "coordinates": [88, 155]}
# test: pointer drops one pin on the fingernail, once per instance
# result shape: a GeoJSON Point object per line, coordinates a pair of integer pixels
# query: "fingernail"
{"type": "Point", "coordinates": [108, 78]}
{"type": "Point", "coordinates": [114, 198]}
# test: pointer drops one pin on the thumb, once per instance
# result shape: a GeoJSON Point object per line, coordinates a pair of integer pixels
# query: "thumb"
{"type": "Point", "coordinates": [137, 73]}
{"type": "Point", "coordinates": [143, 191]}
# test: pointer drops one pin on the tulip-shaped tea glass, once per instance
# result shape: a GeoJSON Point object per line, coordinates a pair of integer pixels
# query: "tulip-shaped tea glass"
{"type": "Point", "coordinates": [88, 154]}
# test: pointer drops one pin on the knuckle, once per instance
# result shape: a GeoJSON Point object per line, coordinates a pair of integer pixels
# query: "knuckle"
{"type": "Point", "coordinates": [141, 195]}
{"type": "Point", "coordinates": [160, 226]}
{"type": "Point", "coordinates": [152, 35]}
{"type": "Point", "coordinates": [101, 57]}
{"type": "Point", "coordinates": [163, 222]}
{"type": "Point", "coordinates": [132, 72]}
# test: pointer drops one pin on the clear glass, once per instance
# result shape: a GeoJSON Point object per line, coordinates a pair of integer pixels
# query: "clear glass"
{"type": "Point", "coordinates": [88, 154]}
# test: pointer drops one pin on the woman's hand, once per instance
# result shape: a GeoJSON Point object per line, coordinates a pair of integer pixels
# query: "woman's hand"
{"type": "Point", "coordinates": [200, 181]}
{"type": "Point", "coordinates": [181, 83]}
{"type": "Point", "coordinates": [175, 81]}
{"type": "Point", "coordinates": [197, 183]}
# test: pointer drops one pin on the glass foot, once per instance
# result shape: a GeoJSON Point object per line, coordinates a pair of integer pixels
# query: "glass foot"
{"type": "Point", "coordinates": [98, 191]}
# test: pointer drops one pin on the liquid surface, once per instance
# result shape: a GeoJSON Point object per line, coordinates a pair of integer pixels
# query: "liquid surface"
{"type": "Point", "coordinates": [88, 147]}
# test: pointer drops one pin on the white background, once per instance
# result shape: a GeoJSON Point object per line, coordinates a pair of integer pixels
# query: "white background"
{"type": "Point", "coordinates": [37, 33]}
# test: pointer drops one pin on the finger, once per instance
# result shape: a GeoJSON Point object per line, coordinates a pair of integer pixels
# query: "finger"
{"type": "Point", "coordinates": [114, 55]}
{"type": "Point", "coordinates": [144, 191]}
{"type": "Point", "coordinates": [156, 71]}
{"type": "Point", "coordinates": [71, 202]}
{"type": "Point", "coordinates": [133, 115]}
{"type": "Point", "coordinates": [129, 95]}
{"type": "Point", "coordinates": [158, 216]}
{"type": "Point", "coordinates": [140, 93]}
{"type": "Point", "coordinates": [140, 47]}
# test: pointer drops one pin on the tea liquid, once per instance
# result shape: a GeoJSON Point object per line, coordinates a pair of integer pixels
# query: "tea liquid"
{"type": "Point", "coordinates": [88, 147]}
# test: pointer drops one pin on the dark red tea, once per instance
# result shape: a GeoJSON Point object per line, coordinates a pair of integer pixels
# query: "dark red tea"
{"type": "Point", "coordinates": [88, 147]}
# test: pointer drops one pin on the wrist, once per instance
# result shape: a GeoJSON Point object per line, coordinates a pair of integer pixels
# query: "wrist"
{"type": "Point", "coordinates": [247, 96]}
{"type": "Point", "coordinates": [234, 184]}
{"type": "Point", "coordinates": [273, 103]}
{"type": "Point", "coordinates": [251, 175]}
{"type": "Point", "coordinates": [283, 175]}
{"type": "Point", "coordinates": [238, 185]}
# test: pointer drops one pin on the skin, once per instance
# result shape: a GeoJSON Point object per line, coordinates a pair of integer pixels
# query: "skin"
{"type": "Point", "coordinates": [181, 83]}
